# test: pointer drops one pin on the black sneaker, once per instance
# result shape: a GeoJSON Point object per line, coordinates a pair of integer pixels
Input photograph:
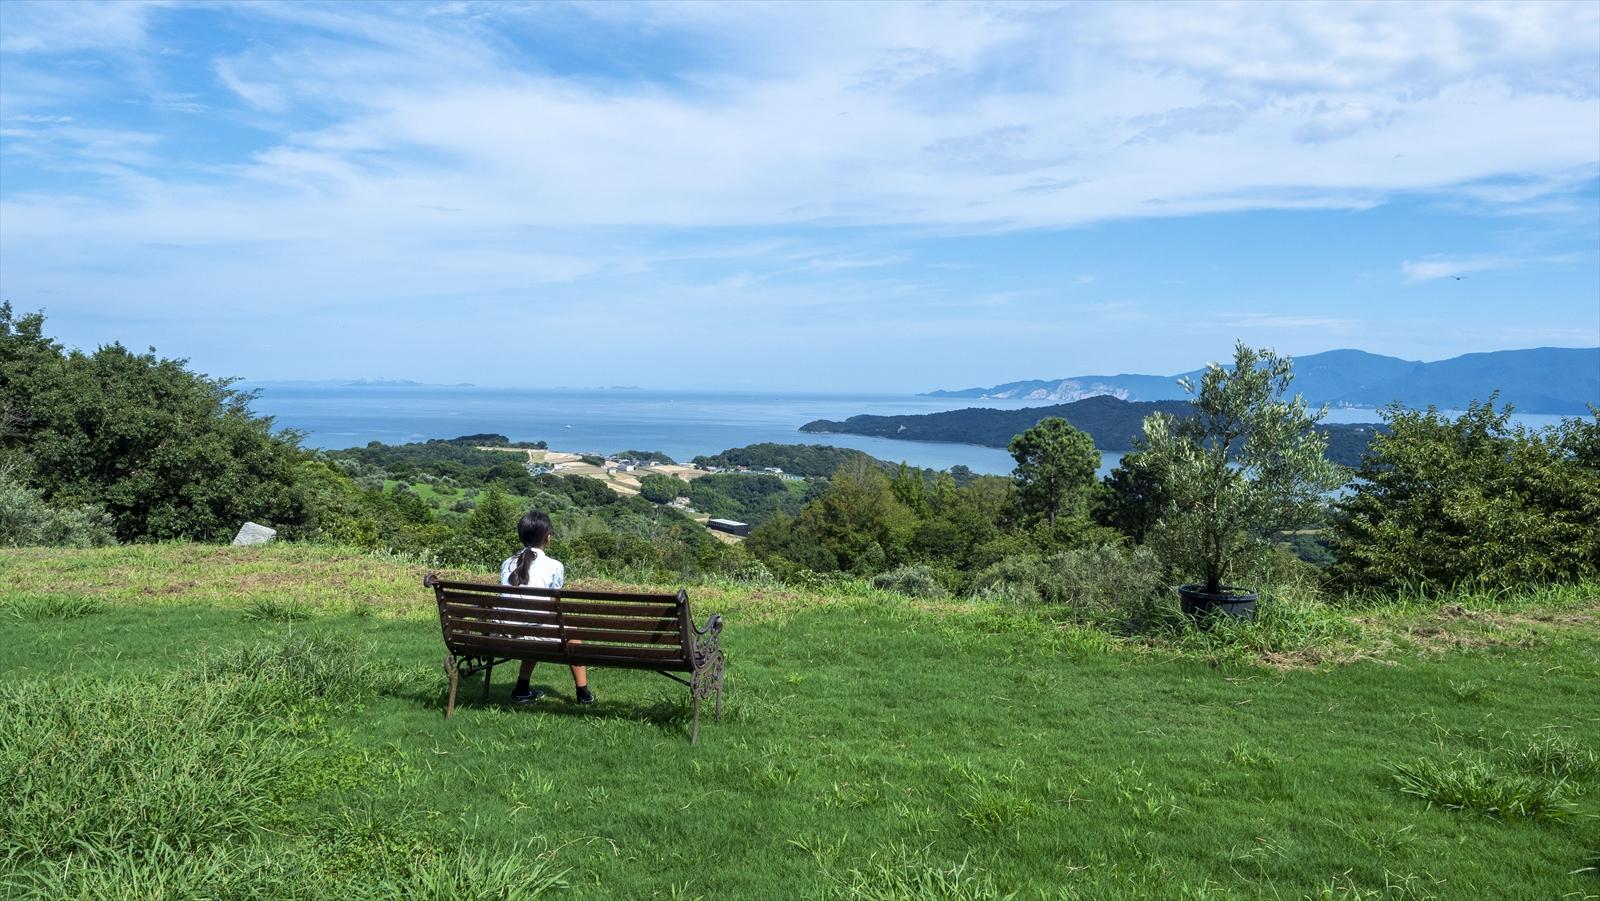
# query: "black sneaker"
{"type": "Point", "coordinates": [585, 696]}
{"type": "Point", "coordinates": [526, 695]}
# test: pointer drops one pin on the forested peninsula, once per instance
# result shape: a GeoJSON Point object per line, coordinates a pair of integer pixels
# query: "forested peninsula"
{"type": "Point", "coordinates": [1112, 423]}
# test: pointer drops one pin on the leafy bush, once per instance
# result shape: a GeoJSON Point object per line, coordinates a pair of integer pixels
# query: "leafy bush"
{"type": "Point", "coordinates": [916, 580]}
{"type": "Point", "coordinates": [168, 453]}
{"type": "Point", "coordinates": [1104, 580]}
{"type": "Point", "coordinates": [659, 488]}
{"type": "Point", "coordinates": [487, 537]}
{"type": "Point", "coordinates": [1015, 578]}
{"type": "Point", "coordinates": [1474, 500]}
{"type": "Point", "coordinates": [26, 520]}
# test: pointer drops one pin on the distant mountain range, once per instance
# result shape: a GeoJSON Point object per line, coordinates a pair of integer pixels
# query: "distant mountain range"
{"type": "Point", "coordinates": [1560, 380]}
{"type": "Point", "coordinates": [1112, 423]}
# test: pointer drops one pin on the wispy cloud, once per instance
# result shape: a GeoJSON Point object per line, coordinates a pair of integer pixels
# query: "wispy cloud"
{"type": "Point", "coordinates": [1431, 268]}
{"type": "Point", "coordinates": [312, 153]}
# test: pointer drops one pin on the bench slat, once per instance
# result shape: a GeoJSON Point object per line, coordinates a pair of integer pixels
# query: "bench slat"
{"type": "Point", "coordinates": [636, 624]}
{"type": "Point", "coordinates": [553, 632]}
{"type": "Point", "coordinates": [575, 594]}
{"type": "Point", "coordinates": [576, 651]}
{"type": "Point", "coordinates": [584, 620]}
{"type": "Point", "coordinates": [618, 609]}
{"type": "Point", "coordinates": [580, 656]}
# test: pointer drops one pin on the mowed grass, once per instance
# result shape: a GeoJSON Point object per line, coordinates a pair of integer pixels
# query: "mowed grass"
{"type": "Point", "coordinates": [181, 721]}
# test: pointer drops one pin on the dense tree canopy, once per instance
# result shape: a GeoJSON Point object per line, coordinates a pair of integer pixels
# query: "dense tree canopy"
{"type": "Point", "coordinates": [1055, 470]}
{"type": "Point", "coordinates": [167, 452]}
{"type": "Point", "coordinates": [1473, 500]}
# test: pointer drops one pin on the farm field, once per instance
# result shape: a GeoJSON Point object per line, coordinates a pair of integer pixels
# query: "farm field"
{"type": "Point", "coordinates": [267, 722]}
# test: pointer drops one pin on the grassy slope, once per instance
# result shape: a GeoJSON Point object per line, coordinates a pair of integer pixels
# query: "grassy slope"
{"type": "Point", "coordinates": [876, 743]}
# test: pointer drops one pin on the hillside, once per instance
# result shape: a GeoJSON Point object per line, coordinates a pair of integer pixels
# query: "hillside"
{"type": "Point", "coordinates": [1557, 380]}
{"type": "Point", "coordinates": [267, 722]}
{"type": "Point", "coordinates": [1112, 423]}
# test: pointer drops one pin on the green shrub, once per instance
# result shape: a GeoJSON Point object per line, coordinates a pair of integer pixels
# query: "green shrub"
{"type": "Point", "coordinates": [1472, 501]}
{"type": "Point", "coordinates": [916, 580]}
{"type": "Point", "coordinates": [26, 520]}
{"type": "Point", "coordinates": [659, 488]}
{"type": "Point", "coordinates": [1104, 582]}
{"type": "Point", "coordinates": [1017, 578]}
{"type": "Point", "coordinates": [99, 428]}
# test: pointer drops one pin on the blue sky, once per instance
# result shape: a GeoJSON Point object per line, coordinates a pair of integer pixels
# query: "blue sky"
{"type": "Point", "coordinates": [825, 196]}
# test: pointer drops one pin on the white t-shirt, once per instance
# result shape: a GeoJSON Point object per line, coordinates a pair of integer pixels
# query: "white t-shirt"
{"type": "Point", "coordinates": [544, 572]}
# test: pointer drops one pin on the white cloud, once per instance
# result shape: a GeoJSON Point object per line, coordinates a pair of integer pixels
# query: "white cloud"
{"type": "Point", "coordinates": [392, 137]}
{"type": "Point", "coordinates": [1438, 266]}
{"type": "Point", "coordinates": [78, 25]}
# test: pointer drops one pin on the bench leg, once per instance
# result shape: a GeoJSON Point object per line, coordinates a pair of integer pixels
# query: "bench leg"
{"type": "Point", "coordinates": [453, 671]}
{"type": "Point", "coordinates": [694, 730]}
{"type": "Point", "coordinates": [719, 693]}
{"type": "Point", "coordinates": [488, 674]}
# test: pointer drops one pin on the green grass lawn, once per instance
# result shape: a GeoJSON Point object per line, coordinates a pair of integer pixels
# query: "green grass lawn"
{"type": "Point", "coordinates": [182, 721]}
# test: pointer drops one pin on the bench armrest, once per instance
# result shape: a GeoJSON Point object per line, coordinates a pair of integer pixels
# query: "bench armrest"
{"type": "Point", "coordinates": [707, 645]}
{"type": "Point", "coordinates": [713, 626]}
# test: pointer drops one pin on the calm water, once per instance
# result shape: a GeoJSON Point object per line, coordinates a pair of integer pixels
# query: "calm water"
{"type": "Point", "coordinates": [682, 424]}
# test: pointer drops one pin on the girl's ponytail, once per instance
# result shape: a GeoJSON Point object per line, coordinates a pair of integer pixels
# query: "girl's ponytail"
{"type": "Point", "coordinates": [534, 530]}
{"type": "Point", "coordinates": [519, 576]}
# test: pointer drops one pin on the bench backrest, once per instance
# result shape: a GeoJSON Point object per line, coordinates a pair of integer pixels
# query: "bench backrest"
{"type": "Point", "coordinates": [604, 628]}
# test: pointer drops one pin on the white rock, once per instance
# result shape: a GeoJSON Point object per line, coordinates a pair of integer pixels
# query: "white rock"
{"type": "Point", "coordinates": [251, 533]}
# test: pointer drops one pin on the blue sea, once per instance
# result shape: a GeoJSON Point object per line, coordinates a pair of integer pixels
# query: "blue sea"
{"type": "Point", "coordinates": [682, 424]}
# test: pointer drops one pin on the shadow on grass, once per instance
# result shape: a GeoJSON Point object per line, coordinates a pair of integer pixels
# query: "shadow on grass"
{"type": "Point", "coordinates": [666, 713]}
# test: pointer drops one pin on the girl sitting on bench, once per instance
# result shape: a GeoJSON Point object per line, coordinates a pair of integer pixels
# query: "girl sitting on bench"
{"type": "Point", "coordinates": [534, 568]}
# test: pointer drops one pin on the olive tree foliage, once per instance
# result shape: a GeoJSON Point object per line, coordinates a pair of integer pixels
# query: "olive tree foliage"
{"type": "Point", "coordinates": [1474, 500]}
{"type": "Point", "coordinates": [1247, 464]}
{"type": "Point", "coordinates": [1055, 469]}
{"type": "Point", "coordinates": [166, 452]}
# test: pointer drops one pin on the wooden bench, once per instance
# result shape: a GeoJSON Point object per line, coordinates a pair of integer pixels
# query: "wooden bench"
{"type": "Point", "coordinates": [487, 625]}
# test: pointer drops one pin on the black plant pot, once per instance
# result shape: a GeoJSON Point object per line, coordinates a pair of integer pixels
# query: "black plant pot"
{"type": "Point", "coordinates": [1230, 601]}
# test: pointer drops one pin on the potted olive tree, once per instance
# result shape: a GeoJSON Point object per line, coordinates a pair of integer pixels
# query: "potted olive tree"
{"type": "Point", "coordinates": [1244, 465]}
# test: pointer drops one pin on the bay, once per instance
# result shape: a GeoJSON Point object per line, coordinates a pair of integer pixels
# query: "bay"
{"type": "Point", "coordinates": [682, 424]}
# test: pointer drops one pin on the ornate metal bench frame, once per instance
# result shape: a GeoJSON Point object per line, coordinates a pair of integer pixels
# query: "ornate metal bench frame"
{"type": "Point", "coordinates": [700, 647]}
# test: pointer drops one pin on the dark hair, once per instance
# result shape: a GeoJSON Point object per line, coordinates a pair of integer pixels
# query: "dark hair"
{"type": "Point", "coordinates": [534, 530]}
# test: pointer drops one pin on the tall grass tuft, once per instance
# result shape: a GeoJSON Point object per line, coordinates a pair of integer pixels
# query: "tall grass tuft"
{"type": "Point", "coordinates": [468, 875]}
{"type": "Point", "coordinates": [275, 610]}
{"type": "Point", "coordinates": [1558, 758]}
{"type": "Point", "coordinates": [171, 763]}
{"type": "Point", "coordinates": [35, 607]}
{"type": "Point", "coordinates": [301, 668]}
{"type": "Point", "coordinates": [1475, 786]}
{"type": "Point", "coordinates": [902, 874]}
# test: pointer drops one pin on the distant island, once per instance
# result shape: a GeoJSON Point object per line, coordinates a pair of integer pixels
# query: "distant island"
{"type": "Point", "coordinates": [1112, 423]}
{"type": "Point", "coordinates": [1556, 380]}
